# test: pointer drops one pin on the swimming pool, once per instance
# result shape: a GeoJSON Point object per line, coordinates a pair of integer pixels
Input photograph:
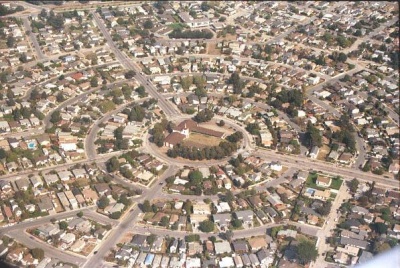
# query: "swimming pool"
{"type": "Point", "coordinates": [310, 191]}
{"type": "Point", "coordinates": [32, 145]}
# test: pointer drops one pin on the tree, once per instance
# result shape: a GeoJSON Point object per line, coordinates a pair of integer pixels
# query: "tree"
{"type": "Point", "coordinates": [228, 235]}
{"type": "Point", "coordinates": [236, 82]}
{"type": "Point", "coordinates": [103, 202]}
{"type": "Point", "coordinates": [236, 223]}
{"type": "Point", "coordinates": [37, 253]}
{"type": "Point", "coordinates": [206, 226]}
{"type": "Point", "coordinates": [195, 177]}
{"type": "Point", "coordinates": [235, 137]}
{"type": "Point", "coordinates": [10, 42]}
{"type": "Point", "coordinates": [342, 57]}
{"type": "Point", "coordinates": [130, 74]}
{"type": "Point", "coordinates": [146, 206]}
{"type": "Point", "coordinates": [55, 117]}
{"type": "Point", "coordinates": [151, 238]}
{"type": "Point", "coordinates": [137, 114]}
{"type": "Point", "coordinates": [164, 221]}
{"type": "Point", "coordinates": [353, 185]}
{"type": "Point", "coordinates": [43, 13]}
{"type": "Point", "coordinates": [221, 123]}
{"type": "Point", "coordinates": [79, 214]}
{"type": "Point", "coordinates": [229, 197]}
{"type": "Point", "coordinates": [94, 82]}
{"type": "Point", "coordinates": [112, 164]}
{"type": "Point", "coordinates": [204, 116]}
{"type": "Point", "coordinates": [188, 206]}
{"type": "Point", "coordinates": [326, 209]}
{"type": "Point", "coordinates": [116, 215]}
{"type": "Point", "coordinates": [275, 230]}
{"type": "Point", "coordinates": [306, 251]}
{"type": "Point", "coordinates": [313, 135]}
{"type": "Point", "coordinates": [34, 94]}
{"type": "Point", "coordinates": [2, 153]}
{"type": "Point", "coordinates": [63, 225]}
{"type": "Point", "coordinates": [148, 24]}
{"type": "Point", "coordinates": [380, 227]}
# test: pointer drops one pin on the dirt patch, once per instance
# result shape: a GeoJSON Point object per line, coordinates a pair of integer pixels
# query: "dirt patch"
{"type": "Point", "coordinates": [323, 152]}
{"type": "Point", "coordinates": [212, 49]}
{"type": "Point", "coordinates": [127, 238]}
{"type": "Point", "coordinates": [213, 125]}
{"type": "Point", "coordinates": [200, 141]}
{"type": "Point", "coordinates": [87, 249]}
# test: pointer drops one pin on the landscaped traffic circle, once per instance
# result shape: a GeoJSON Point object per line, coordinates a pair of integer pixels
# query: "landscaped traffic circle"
{"type": "Point", "coordinates": [185, 139]}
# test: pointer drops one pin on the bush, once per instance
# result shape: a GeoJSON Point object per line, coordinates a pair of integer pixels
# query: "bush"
{"type": "Point", "coordinates": [206, 226]}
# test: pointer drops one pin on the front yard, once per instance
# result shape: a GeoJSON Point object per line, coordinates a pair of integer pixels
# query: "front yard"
{"type": "Point", "coordinates": [312, 178]}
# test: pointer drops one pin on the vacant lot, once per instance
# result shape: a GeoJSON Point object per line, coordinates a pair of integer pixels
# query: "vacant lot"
{"type": "Point", "coordinates": [201, 141]}
{"type": "Point", "coordinates": [212, 49]}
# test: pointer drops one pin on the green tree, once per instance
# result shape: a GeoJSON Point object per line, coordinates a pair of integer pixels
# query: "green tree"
{"type": "Point", "coordinates": [94, 82]}
{"type": "Point", "coordinates": [103, 202]}
{"type": "Point", "coordinates": [353, 185]}
{"type": "Point", "coordinates": [380, 227]}
{"type": "Point", "coordinates": [112, 164]}
{"type": "Point", "coordinates": [63, 225]}
{"type": "Point", "coordinates": [306, 251]}
{"type": "Point", "coordinates": [2, 153]}
{"type": "Point", "coordinates": [79, 214]}
{"type": "Point", "coordinates": [325, 209]}
{"type": "Point", "coordinates": [151, 238]}
{"type": "Point", "coordinates": [236, 223]}
{"type": "Point", "coordinates": [116, 215]}
{"type": "Point", "coordinates": [146, 206]}
{"type": "Point", "coordinates": [236, 82]}
{"type": "Point", "coordinates": [229, 197]}
{"type": "Point", "coordinates": [275, 230]}
{"type": "Point", "coordinates": [228, 235]}
{"type": "Point", "coordinates": [130, 74]}
{"type": "Point", "coordinates": [195, 177]}
{"type": "Point", "coordinates": [55, 117]}
{"type": "Point", "coordinates": [313, 135]}
{"type": "Point", "coordinates": [148, 24]}
{"type": "Point", "coordinates": [10, 42]}
{"type": "Point", "coordinates": [188, 206]}
{"type": "Point", "coordinates": [37, 253]}
{"type": "Point", "coordinates": [206, 226]}
{"type": "Point", "coordinates": [204, 116]}
{"type": "Point", "coordinates": [164, 221]}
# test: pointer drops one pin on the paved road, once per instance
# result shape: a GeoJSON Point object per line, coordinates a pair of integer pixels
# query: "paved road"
{"type": "Point", "coordinates": [46, 120]}
{"type": "Point", "coordinates": [90, 147]}
{"type": "Point", "coordinates": [98, 159]}
{"type": "Point", "coordinates": [35, 43]}
{"type": "Point", "coordinates": [330, 224]}
{"type": "Point", "coordinates": [169, 110]}
{"type": "Point", "coordinates": [126, 223]}
{"type": "Point", "coordinates": [329, 168]}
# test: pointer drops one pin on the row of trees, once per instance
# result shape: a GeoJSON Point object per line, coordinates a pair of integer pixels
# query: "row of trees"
{"type": "Point", "coordinates": [224, 149]}
{"type": "Point", "coordinates": [189, 34]}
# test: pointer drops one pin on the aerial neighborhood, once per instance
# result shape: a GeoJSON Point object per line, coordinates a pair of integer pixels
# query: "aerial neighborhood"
{"type": "Point", "coordinates": [199, 133]}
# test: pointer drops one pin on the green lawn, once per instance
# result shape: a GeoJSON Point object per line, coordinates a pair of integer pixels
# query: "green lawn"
{"type": "Point", "coordinates": [177, 26]}
{"type": "Point", "coordinates": [336, 183]}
